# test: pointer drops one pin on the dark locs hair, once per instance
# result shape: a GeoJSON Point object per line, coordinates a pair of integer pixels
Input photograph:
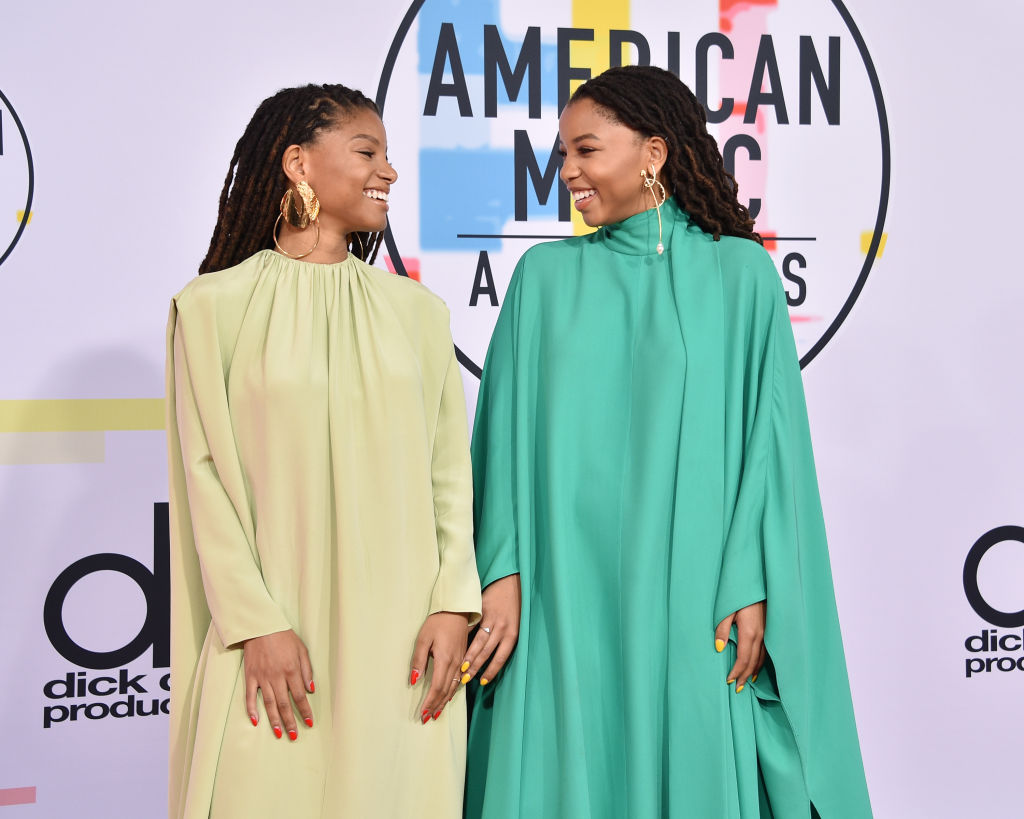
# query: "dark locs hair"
{"type": "Point", "coordinates": [250, 200]}
{"type": "Point", "coordinates": [654, 102]}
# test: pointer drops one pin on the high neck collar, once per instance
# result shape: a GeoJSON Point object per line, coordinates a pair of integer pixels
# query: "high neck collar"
{"type": "Point", "coordinates": [638, 235]}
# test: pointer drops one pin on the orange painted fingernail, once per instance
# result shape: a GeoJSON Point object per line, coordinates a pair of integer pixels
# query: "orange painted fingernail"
{"type": "Point", "coordinates": [730, 682]}
{"type": "Point", "coordinates": [484, 681]}
{"type": "Point", "coordinates": [309, 722]}
{"type": "Point", "coordinates": [739, 687]}
{"type": "Point", "coordinates": [719, 646]}
{"type": "Point", "coordinates": [754, 678]}
{"type": "Point", "coordinates": [254, 720]}
{"type": "Point", "coordinates": [465, 679]}
{"type": "Point", "coordinates": [414, 677]}
{"type": "Point", "coordinates": [277, 732]}
{"type": "Point", "coordinates": [312, 688]}
{"type": "Point", "coordinates": [293, 734]}
{"type": "Point", "coordinates": [465, 666]}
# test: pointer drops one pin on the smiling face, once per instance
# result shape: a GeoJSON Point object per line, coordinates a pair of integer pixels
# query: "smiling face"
{"type": "Point", "coordinates": [602, 160]}
{"type": "Point", "coordinates": [348, 169]}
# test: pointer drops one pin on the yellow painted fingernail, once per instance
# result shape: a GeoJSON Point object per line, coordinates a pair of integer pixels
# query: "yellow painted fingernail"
{"type": "Point", "coordinates": [739, 688]}
{"type": "Point", "coordinates": [754, 678]}
{"type": "Point", "coordinates": [484, 681]}
{"type": "Point", "coordinates": [465, 666]}
{"type": "Point", "coordinates": [730, 682]}
{"type": "Point", "coordinates": [719, 646]}
{"type": "Point", "coordinates": [466, 678]}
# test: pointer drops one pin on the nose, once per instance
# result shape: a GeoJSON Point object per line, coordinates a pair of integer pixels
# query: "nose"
{"type": "Point", "coordinates": [390, 174]}
{"type": "Point", "coordinates": [568, 170]}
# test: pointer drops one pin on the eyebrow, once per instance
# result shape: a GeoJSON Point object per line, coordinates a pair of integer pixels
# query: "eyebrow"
{"type": "Point", "coordinates": [582, 137]}
{"type": "Point", "coordinates": [371, 138]}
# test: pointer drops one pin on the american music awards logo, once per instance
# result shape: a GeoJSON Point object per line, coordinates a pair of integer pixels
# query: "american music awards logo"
{"type": "Point", "coordinates": [17, 178]}
{"type": "Point", "coordinates": [471, 93]}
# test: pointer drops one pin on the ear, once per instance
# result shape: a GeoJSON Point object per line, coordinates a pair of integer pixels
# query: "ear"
{"type": "Point", "coordinates": [657, 152]}
{"type": "Point", "coordinates": [293, 163]}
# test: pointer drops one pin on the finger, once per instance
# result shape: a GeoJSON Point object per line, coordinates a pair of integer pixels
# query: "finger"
{"type": "Point", "coordinates": [745, 663]}
{"type": "Point", "coordinates": [480, 651]}
{"type": "Point", "coordinates": [251, 687]}
{"type": "Point", "coordinates": [454, 686]}
{"type": "Point", "coordinates": [298, 691]}
{"type": "Point", "coordinates": [722, 633]}
{"type": "Point", "coordinates": [449, 691]}
{"type": "Point", "coordinates": [306, 670]}
{"type": "Point", "coordinates": [501, 655]}
{"type": "Point", "coordinates": [745, 656]}
{"type": "Point", "coordinates": [760, 662]}
{"type": "Point", "coordinates": [419, 659]}
{"type": "Point", "coordinates": [444, 670]}
{"type": "Point", "coordinates": [270, 705]}
{"type": "Point", "coordinates": [284, 707]}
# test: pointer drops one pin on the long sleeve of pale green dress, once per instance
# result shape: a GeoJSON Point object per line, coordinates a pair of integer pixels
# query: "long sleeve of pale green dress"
{"type": "Point", "coordinates": [320, 481]}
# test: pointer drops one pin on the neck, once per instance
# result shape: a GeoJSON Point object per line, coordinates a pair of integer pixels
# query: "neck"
{"type": "Point", "coordinates": [332, 247]}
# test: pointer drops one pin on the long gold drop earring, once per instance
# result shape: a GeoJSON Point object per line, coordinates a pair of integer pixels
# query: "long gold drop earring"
{"type": "Point", "coordinates": [650, 182]}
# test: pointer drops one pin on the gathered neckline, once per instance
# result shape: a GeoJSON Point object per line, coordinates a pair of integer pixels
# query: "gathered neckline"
{"type": "Point", "coordinates": [637, 235]}
{"type": "Point", "coordinates": [280, 258]}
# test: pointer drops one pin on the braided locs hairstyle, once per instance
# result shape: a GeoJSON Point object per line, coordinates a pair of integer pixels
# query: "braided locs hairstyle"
{"type": "Point", "coordinates": [249, 202]}
{"type": "Point", "coordinates": [654, 102]}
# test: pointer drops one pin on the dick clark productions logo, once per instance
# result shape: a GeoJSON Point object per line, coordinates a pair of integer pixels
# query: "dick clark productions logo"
{"type": "Point", "coordinates": [992, 649]}
{"type": "Point", "coordinates": [792, 97]}
{"type": "Point", "coordinates": [114, 690]}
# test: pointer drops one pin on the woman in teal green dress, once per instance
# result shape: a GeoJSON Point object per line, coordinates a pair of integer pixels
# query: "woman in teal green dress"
{"type": "Point", "coordinates": [649, 532]}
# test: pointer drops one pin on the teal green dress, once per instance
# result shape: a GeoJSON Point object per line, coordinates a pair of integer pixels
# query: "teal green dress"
{"type": "Point", "coordinates": [642, 459]}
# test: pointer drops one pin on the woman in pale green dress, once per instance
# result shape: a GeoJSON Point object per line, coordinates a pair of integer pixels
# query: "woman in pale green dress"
{"type": "Point", "coordinates": [322, 561]}
{"type": "Point", "coordinates": [648, 522]}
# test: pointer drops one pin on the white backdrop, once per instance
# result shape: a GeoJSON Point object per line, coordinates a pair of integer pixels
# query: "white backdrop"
{"type": "Point", "coordinates": [131, 112]}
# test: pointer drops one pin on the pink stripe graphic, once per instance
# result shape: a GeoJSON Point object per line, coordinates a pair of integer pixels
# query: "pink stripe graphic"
{"type": "Point", "coordinates": [17, 796]}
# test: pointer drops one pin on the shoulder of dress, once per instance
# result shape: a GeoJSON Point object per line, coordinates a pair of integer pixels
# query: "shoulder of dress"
{"type": "Point", "coordinates": [544, 252]}
{"type": "Point", "coordinates": [209, 288]}
{"type": "Point", "coordinates": [407, 290]}
{"type": "Point", "coordinates": [746, 264]}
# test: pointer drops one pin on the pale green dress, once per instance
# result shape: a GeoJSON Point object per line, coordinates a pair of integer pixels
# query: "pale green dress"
{"type": "Point", "coordinates": [320, 481]}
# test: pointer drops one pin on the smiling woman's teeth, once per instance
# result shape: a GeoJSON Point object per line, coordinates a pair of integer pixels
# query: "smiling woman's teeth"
{"type": "Point", "coordinates": [373, 194]}
{"type": "Point", "coordinates": [578, 195]}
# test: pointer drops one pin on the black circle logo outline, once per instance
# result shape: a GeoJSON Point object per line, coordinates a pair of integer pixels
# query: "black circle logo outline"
{"type": "Point", "coordinates": [883, 200]}
{"type": "Point", "coordinates": [31, 178]}
{"type": "Point", "coordinates": [53, 611]}
{"type": "Point", "coordinates": [1001, 534]}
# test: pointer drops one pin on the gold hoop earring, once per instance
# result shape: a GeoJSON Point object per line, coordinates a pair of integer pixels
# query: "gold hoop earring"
{"type": "Point", "coordinates": [362, 250]}
{"type": "Point", "coordinates": [650, 182]}
{"type": "Point", "coordinates": [299, 217]}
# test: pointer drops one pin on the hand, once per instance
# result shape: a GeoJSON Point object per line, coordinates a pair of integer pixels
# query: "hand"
{"type": "Point", "coordinates": [750, 651]}
{"type": "Point", "coordinates": [499, 628]}
{"type": "Point", "coordinates": [278, 665]}
{"type": "Point", "coordinates": [443, 636]}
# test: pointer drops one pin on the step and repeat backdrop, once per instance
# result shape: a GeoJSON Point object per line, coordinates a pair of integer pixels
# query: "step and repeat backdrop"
{"type": "Point", "coordinates": [872, 142]}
